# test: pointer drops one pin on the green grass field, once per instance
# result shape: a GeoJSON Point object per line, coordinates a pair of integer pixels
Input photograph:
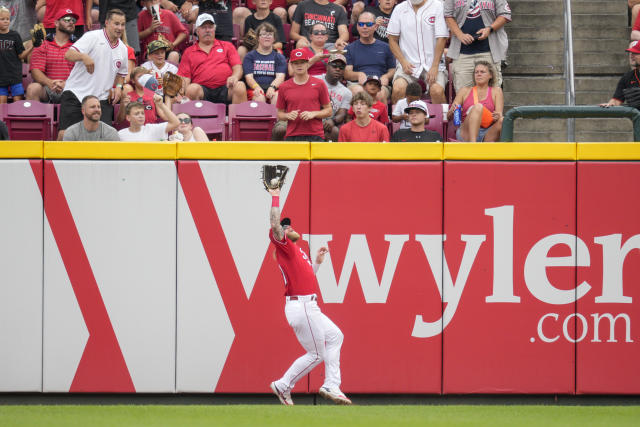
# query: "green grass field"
{"type": "Point", "coordinates": [324, 416]}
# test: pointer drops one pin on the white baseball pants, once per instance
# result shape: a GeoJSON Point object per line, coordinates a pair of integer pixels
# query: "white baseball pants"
{"type": "Point", "coordinates": [319, 336]}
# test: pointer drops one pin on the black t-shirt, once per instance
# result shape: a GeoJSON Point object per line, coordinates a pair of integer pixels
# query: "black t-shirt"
{"type": "Point", "coordinates": [471, 25]}
{"type": "Point", "coordinates": [308, 13]}
{"type": "Point", "coordinates": [130, 9]}
{"type": "Point", "coordinates": [222, 12]}
{"type": "Point", "coordinates": [381, 32]}
{"type": "Point", "coordinates": [407, 135]}
{"type": "Point", "coordinates": [629, 79]}
{"type": "Point", "coordinates": [10, 65]}
{"type": "Point", "coordinates": [273, 19]}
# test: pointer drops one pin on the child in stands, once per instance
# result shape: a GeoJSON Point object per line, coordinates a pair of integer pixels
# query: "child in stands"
{"type": "Point", "coordinates": [12, 53]}
{"type": "Point", "coordinates": [378, 110]}
{"type": "Point", "coordinates": [412, 93]}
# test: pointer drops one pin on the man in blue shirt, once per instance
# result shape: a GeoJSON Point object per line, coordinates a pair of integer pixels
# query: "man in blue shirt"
{"type": "Point", "coordinates": [368, 56]}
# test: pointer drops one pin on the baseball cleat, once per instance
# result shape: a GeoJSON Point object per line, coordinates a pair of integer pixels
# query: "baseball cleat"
{"type": "Point", "coordinates": [334, 395]}
{"type": "Point", "coordinates": [285, 397]}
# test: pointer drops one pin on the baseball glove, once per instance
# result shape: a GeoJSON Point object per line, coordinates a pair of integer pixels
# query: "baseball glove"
{"type": "Point", "coordinates": [38, 34]}
{"type": "Point", "coordinates": [250, 39]}
{"type": "Point", "coordinates": [273, 176]}
{"type": "Point", "coordinates": [632, 96]}
{"type": "Point", "coordinates": [171, 84]}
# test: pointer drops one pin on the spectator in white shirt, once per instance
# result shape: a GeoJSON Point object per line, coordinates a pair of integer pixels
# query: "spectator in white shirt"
{"type": "Point", "coordinates": [139, 131]}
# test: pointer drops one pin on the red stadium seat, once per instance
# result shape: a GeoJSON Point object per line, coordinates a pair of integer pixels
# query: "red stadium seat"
{"type": "Point", "coordinates": [289, 45]}
{"type": "Point", "coordinates": [207, 115]}
{"type": "Point", "coordinates": [237, 35]}
{"type": "Point", "coordinates": [437, 118]}
{"type": "Point", "coordinates": [251, 121]}
{"type": "Point", "coordinates": [29, 120]}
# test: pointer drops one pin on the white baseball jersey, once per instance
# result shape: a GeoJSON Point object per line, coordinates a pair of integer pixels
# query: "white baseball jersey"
{"type": "Point", "coordinates": [418, 32]}
{"type": "Point", "coordinates": [109, 61]}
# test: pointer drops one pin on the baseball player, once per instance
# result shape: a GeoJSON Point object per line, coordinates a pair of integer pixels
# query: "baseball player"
{"type": "Point", "coordinates": [317, 334]}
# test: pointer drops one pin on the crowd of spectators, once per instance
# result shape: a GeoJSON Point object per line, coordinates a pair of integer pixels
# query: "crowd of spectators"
{"type": "Point", "coordinates": [327, 81]}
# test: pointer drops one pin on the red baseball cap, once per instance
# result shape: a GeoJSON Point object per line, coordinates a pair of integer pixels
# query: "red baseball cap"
{"type": "Point", "coordinates": [66, 12]}
{"type": "Point", "coordinates": [634, 47]}
{"type": "Point", "coordinates": [302, 54]}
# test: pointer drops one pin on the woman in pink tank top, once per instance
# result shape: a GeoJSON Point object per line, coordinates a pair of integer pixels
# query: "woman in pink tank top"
{"type": "Point", "coordinates": [482, 107]}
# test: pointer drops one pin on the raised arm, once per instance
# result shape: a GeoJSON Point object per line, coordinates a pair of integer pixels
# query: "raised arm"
{"type": "Point", "coordinates": [274, 214]}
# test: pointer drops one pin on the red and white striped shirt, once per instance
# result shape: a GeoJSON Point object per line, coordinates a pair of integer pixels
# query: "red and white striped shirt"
{"type": "Point", "coordinates": [49, 58]}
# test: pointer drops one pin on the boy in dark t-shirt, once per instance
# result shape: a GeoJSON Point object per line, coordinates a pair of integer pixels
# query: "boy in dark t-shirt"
{"type": "Point", "coordinates": [418, 117]}
{"type": "Point", "coordinates": [12, 52]}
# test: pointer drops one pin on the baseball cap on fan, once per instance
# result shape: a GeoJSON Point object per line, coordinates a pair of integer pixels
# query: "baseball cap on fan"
{"type": "Point", "coordinates": [302, 54]}
{"type": "Point", "coordinates": [634, 47]}
{"type": "Point", "coordinates": [205, 17]}
{"type": "Point", "coordinates": [373, 79]}
{"type": "Point", "coordinates": [66, 12]}
{"type": "Point", "coordinates": [417, 105]}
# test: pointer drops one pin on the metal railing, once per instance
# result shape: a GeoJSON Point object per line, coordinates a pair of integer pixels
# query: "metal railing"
{"type": "Point", "coordinates": [569, 73]}
{"type": "Point", "coordinates": [566, 112]}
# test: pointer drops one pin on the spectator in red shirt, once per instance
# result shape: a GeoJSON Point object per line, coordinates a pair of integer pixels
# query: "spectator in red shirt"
{"type": "Point", "coordinates": [211, 68]}
{"type": "Point", "coordinates": [378, 110]}
{"type": "Point", "coordinates": [53, 8]}
{"type": "Point", "coordinates": [141, 88]}
{"type": "Point", "coordinates": [48, 67]}
{"type": "Point", "coordinates": [363, 128]}
{"type": "Point", "coordinates": [303, 101]}
{"type": "Point", "coordinates": [155, 22]}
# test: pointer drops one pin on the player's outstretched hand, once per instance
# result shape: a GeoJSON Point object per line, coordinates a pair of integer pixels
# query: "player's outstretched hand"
{"type": "Point", "coordinates": [320, 254]}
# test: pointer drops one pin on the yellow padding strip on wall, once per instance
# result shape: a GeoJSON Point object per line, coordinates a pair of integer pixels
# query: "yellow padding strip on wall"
{"type": "Point", "coordinates": [21, 149]}
{"type": "Point", "coordinates": [110, 150]}
{"type": "Point", "coordinates": [317, 151]}
{"type": "Point", "coordinates": [609, 151]}
{"type": "Point", "coordinates": [244, 150]}
{"type": "Point", "coordinates": [376, 151]}
{"type": "Point", "coordinates": [509, 151]}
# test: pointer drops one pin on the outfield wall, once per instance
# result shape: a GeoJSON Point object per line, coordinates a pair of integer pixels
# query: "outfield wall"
{"type": "Point", "coordinates": [453, 268]}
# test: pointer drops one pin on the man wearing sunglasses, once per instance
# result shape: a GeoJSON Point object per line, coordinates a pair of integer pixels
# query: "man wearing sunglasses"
{"type": "Point", "coordinates": [48, 67]}
{"type": "Point", "coordinates": [369, 57]}
{"type": "Point", "coordinates": [53, 10]}
{"type": "Point", "coordinates": [382, 12]}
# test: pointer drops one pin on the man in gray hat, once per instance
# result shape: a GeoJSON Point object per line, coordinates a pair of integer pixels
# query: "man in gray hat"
{"type": "Point", "coordinates": [340, 96]}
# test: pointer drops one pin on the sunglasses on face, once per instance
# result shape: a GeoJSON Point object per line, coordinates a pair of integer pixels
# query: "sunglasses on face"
{"type": "Point", "coordinates": [68, 19]}
{"type": "Point", "coordinates": [185, 120]}
{"type": "Point", "coordinates": [319, 33]}
{"type": "Point", "coordinates": [338, 65]}
{"type": "Point", "coordinates": [266, 35]}
{"type": "Point", "coordinates": [366, 24]}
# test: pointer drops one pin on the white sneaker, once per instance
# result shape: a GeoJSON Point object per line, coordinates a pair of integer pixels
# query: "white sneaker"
{"type": "Point", "coordinates": [334, 395]}
{"type": "Point", "coordinates": [285, 397]}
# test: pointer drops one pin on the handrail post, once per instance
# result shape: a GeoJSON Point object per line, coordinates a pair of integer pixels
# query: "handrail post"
{"type": "Point", "coordinates": [568, 111]}
{"type": "Point", "coordinates": [569, 72]}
